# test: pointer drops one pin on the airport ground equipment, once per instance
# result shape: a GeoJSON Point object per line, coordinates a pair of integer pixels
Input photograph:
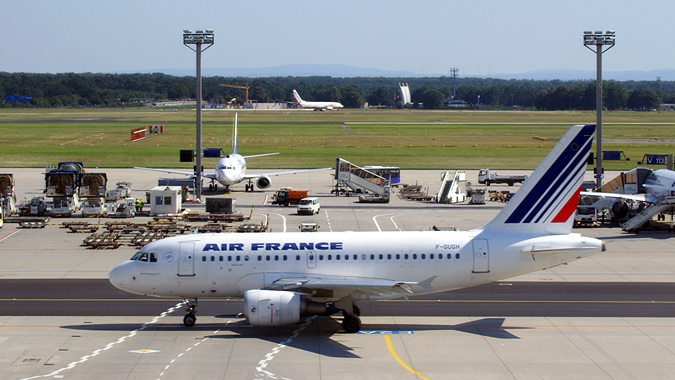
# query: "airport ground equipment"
{"type": "Point", "coordinates": [124, 208]}
{"type": "Point", "coordinates": [92, 191]}
{"type": "Point", "coordinates": [486, 177]}
{"type": "Point", "coordinates": [477, 196]}
{"type": "Point", "coordinates": [414, 193]}
{"type": "Point", "coordinates": [359, 179]}
{"type": "Point", "coordinates": [287, 196]}
{"type": "Point", "coordinates": [500, 196]}
{"type": "Point", "coordinates": [309, 227]}
{"type": "Point", "coordinates": [62, 186]}
{"type": "Point", "coordinates": [586, 216]}
{"type": "Point", "coordinates": [452, 187]}
{"type": "Point", "coordinates": [647, 213]}
{"type": "Point", "coordinates": [32, 224]}
{"type": "Point", "coordinates": [195, 216]}
{"type": "Point", "coordinates": [7, 194]}
{"type": "Point", "coordinates": [369, 198]}
{"type": "Point", "coordinates": [122, 190]}
{"type": "Point", "coordinates": [220, 205]}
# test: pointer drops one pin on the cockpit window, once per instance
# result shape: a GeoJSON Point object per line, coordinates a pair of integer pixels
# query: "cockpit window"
{"type": "Point", "coordinates": [145, 256]}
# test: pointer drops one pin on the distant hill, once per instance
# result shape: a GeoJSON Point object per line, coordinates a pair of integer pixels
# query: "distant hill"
{"type": "Point", "coordinates": [563, 74]}
{"type": "Point", "coordinates": [346, 71]}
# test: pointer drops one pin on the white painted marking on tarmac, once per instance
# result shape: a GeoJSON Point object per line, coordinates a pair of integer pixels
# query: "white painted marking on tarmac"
{"type": "Point", "coordinates": [330, 228]}
{"type": "Point", "coordinates": [283, 218]}
{"type": "Point", "coordinates": [57, 373]}
{"type": "Point", "coordinates": [166, 368]}
{"type": "Point", "coordinates": [262, 364]}
{"type": "Point", "coordinates": [377, 225]}
{"type": "Point", "coordinates": [394, 223]}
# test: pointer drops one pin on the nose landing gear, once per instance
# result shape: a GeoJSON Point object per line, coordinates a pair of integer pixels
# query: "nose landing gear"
{"type": "Point", "coordinates": [191, 309]}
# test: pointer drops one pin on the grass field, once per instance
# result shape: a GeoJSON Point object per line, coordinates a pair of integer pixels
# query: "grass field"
{"type": "Point", "coordinates": [305, 139]}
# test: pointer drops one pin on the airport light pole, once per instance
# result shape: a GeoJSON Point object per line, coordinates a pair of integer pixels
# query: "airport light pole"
{"type": "Point", "coordinates": [599, 43]}
{"type": "Point", "coordinates": [202, 41]}
{"type": "Point", "coordinates": [453, 73]}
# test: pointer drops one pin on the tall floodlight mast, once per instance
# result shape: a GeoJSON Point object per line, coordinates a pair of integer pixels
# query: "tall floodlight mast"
{"type": "Point", "coordinates": [202, 41]}
{"type": "Point", "coordinates": [453, 72]}
{"type": "Point", "coordinates": [599, 43]}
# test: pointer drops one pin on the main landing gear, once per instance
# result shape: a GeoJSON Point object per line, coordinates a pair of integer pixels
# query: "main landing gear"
{"type": "Point", "coordinates": [191, 309]}
{"type": "Point", "coordinates": [249, 186]}
{"type": "Point", "coordinates": [351, 322]}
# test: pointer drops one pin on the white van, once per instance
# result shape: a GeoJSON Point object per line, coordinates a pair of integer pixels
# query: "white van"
{"type": "Point", "coordinates": [309, 206]}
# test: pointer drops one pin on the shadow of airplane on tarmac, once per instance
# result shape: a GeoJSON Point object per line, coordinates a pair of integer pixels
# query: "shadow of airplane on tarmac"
{"type": "Point", "coordinates": [317, 337]}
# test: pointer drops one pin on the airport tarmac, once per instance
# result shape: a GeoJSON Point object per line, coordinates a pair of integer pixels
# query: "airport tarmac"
{"type": "Point", "coordinates": [423, 346]}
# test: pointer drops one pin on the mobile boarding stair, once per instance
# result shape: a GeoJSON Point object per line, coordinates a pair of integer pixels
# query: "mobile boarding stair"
{"type": "Point", "coordinates": [645, 215]}
{"type": "Point", "coordinates": [451, 191]}
{"type": "Point", "coordinates": [358, 178]}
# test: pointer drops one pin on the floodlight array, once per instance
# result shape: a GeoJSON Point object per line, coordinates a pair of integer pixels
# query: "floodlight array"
{"type": "Point", "coordinates": [599, 38]}
{"type": "Point", "coordinates": [198, 37]}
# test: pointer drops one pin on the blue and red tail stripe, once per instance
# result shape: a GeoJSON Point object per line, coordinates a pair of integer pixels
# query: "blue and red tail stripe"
{"type": "Point", "coordinates": [558, 187]}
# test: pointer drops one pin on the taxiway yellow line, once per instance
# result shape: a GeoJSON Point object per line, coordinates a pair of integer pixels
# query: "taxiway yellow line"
{"type": "Point", "coordinates": [393, 353]}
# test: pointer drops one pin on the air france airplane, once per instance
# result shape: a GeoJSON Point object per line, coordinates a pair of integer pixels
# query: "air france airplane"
{"type": "Point", "coordinates": [285, 276]}
{"type": "Point", "coordinates": [658, 186]}
{"type": "Point", "coordinates": [231, 170]}
{"type": "Point", "coordinates": [316, 106]}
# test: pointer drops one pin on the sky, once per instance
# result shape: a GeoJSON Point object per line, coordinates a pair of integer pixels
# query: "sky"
{"type": "Point", "coordinates": [424, 36]}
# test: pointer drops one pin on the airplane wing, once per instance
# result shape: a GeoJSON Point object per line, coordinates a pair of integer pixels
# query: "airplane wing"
{"type": "Point", "coordinates": [373, 286]}
{"type": "Point", "coordinates": [249, 176]}
{"type": "Point", "coordinates": [632, 197]}
{"type": "Point", "coordinates": [659, 187]}
{"type": "Point", "coordinates": [260, 155]}
{"type": "Point", "coordinates": [191, 174]}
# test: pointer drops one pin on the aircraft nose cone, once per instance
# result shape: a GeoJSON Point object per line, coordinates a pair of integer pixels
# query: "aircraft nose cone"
{"type": "Point", "coordinates": [119, 277]}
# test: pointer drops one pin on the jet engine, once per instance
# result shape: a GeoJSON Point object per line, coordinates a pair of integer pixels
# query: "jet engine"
{"type": "Point", "coordinates": [263, 182]}
{"type": "Point", "coordinates": [618, 210]}
{"type": "Point", "coordinates": [276, 307]}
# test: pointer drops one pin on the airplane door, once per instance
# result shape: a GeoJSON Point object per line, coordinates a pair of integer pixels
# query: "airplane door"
{"type": "Point", "coordinates": [481, 256]}
{"type": "Point", "coordinates": [186, 262]}
{"type": "Point", "coordinates": [311, 259]}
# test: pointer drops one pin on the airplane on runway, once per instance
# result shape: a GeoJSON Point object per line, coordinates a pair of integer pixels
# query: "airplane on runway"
{"type": "Point", "coordinates": [317, 106]}
{"type": "Point", "coordinates": [640, 184]}
{"type": "Point", "coordinates": [231, 170]}
{"type": "Point", "coordinates": [283, 277]}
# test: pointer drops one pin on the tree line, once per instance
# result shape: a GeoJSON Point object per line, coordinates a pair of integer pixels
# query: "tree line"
{"type": "Point", "coordinates": [131, 90]}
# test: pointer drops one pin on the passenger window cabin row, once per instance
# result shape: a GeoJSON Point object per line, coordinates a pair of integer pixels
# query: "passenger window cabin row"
{"type": "Point", "coordinates": [337, 257]}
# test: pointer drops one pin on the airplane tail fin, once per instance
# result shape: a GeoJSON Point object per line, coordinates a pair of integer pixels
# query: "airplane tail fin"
{"type": "Point", "coordinates": [234, 140]}
{"type": "Point", "coordinates": [548, 199]}
{"type": "Point", "coordinates": [297, 97]}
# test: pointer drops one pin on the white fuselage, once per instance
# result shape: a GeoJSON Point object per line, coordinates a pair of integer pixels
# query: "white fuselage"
{"type": "Point", "coordinates": [230, 170]}
{"type": "Point", "coordinates": [321, 105]}
{"type": "Point", "coordinates": [663, 178]}
{"type": "Point", "coordinates": [227, 265]}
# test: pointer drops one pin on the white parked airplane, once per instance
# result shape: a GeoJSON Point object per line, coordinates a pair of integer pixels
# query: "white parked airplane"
{"type": "Point", "coordinates": [285, 276]}
{"type": "Point", "coordinates": [231, 170]}
{"type": "Point", "coordinates": [639, 184]}
{"type": "Point", "coordinates": [316, 106]}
